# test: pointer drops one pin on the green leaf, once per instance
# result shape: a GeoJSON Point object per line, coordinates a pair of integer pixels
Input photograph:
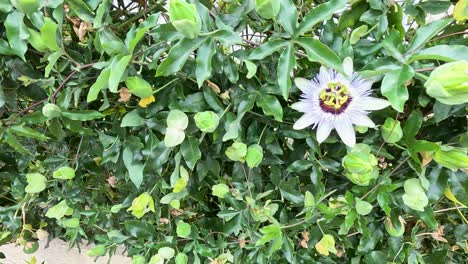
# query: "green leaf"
{"type": "Point", "coordinates": [254, 156]}
{"type": "Point", "coordinates": [363, 207]}
{"type": "Point", "coordinates": [59, 210]}
{"type": "Point", "coordinates": [138, 259]}
{"type": "Point", "coordinates": [391, 131]}
{"type": "Point", "coordinates": [166, 252]}
{"type": "Point", "coordinates": [286, 63]}
{"type": "Point", "coordinates": [309, 199]}
{"type": "Point", "coordinates": [287, 16]}
{"type": "Point", "coordinates": [317, 51]}
{"type": "Point", "coordinates": [183, 229]}
{"type": "Point", "coordinates": [13, 142]}
{"type": "Point", "coordinates": [36, 182]}
{"type": "Point", "coordinates": [251, 69]}
{"type": "Point", "coordinates": [100, 12]}
{"type": "Point", "coordinates": [392, 44]}
{"type": "Point", "coordinates": [270, 106]}
{"type": "Point", "coordinates": [447, 53]}
{"type": "Point", "coordinates": [414, 197]}
{"type": "Point", "coordinates": [139, 87]}
{"type": "Point", "coordinates": [64, 173]}
{"type": "Point", "coordinates": [220, 190]}
{"type": "Point", "coordinates": [190, 151]}
{"type": "Point", "coordinates": [357, 34]}
{"type": "Point", "coordinates": [393, 86]}
{"type": "Point", "coordinates": [426, 32]}
{"type": "Point", "coordinates": [319, 14]}
{"type": "Point", "coordinates": [181, 258]}
{"type": "Point", "coordinates": [71, 223]}
{"type": "Point", "coordinates": [204, 56]}
{"type": "Point", "coordinates": [267, 48]}
{"type": "Point", "coordinates": [100, 83]}
{"type": "Point", "coordinates": [132, 119]}
{"type": "Point", "coordinates": [17, 33]}
{"type": "Point", "coordinates": [271, 233]}
{"type": "Point", "coordinates": [267, 9]}
{"type": "Point", "coordinates": [82, 115]}
{"type": "Point", "coordinates": [49, 34]}
{"type": "Point", "coordinates": [237, 151]}
{"type": "Point", "coordinates": [135, 168]}
{"type": "Point", "coordinates": [52, 59]}
{"type": "Point", "coordinates": [24, 131]}
{"type": "Point", "coordinates": [178, 55]}
{"type": "Point", "coordinates": [173, 137]}
{"type": "Point", "coordinates": [413, 124]}
{"type": "Point", "coordinates": [177, 119]}
{"type": "Point", "coordinates": [97, 251]}
{"type": "Point", "coordinates": [118, 68]}
{"type": "Point", "coordinates": [81, 9]}
{"type": "Point", "coordinates": [141, 205]}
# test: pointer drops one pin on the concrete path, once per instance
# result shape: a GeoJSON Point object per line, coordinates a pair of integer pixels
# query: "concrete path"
{"type": "Point", "coordinates": [56, 253]}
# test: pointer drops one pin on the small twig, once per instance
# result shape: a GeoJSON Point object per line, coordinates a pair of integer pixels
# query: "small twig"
{"type": "Point", "coordinates": [449, 35]}
{"type": "Point", "coordinates": [425, 69]}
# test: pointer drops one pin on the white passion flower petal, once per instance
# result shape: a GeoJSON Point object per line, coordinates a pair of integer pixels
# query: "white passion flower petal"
{"type": "Point", "coordinates": [346, 132]}
{"type": "Point", "coordinates": [362, 120]}
{"type": "Point", "coordinates": [306, 86]}
{"type": "Point", "coordinates": [305, 121]}
{"type": "Point", "coordinates": [371, 103]}
{"type": "Point", "coordinates": [323, 131]}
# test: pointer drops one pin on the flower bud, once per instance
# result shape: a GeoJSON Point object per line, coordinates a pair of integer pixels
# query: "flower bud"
{"type": "Point", "coordinates": [254, 155]}
{"type": "Point", "coordinates": [267, 8]}
{"type": "Point", "coordinates": [185, 18]}
{"type": "Point", "coordinates": [449, 83]}
{"type": "Point", "coordinates": [360, 165]}
{"type": "Point", "coordinates": [452, 158]}
{"type": "Point", "coordinates": [51, 110]}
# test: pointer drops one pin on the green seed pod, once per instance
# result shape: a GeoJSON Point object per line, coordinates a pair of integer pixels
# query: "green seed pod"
{"type": "Point", "coordinates": [185, 18]}
{"type": "Point", "coordinates": [452, 158]}
{"type": "Point", "coordinates": [267, 8]}
{"type": "Point", "coordinates": [449, 83]}
{"type": "Point", "coordinates": [391, 131]}
{"type": "Point", "coordinates": [139, 87]}
{"type": "Point", "coordinates": [207, 121]}
{"type": "Point", "coordinates": [51, 110]}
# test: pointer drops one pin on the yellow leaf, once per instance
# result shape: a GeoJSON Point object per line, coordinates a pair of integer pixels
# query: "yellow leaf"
{"type": "Point", "coordinates": [144, 102]}
{"type": "Point", "coordinates": [326, 245]}
{"type": "Point", "coordinates": [448, 193]}
{"type": "Point", "coordinates": [460, 12]}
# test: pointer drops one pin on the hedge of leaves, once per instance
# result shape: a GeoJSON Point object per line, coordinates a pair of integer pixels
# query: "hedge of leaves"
{"type": "Point", "coordinates": [172, 129]}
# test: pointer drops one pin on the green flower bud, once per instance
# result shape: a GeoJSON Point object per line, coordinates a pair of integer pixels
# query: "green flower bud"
{"type": "Point", "coordinates": [185, 18]}
{"type": "Point", "coordinates": [414, 197]}
{"type": "Point", "coordinates": [452, 158]}
{"type": "Point", "coordinates": [207, 121]}
{"type": "Point", "coordinates": [51, 110]}
{"type": "Point", "coordinates": [139, 87]}
{"type": "Point", "coordinates": [449, 83]}
{"type": "Point", "coordinates": [254, 156]}
{"type": "Point", "coordinates": [267, 8]}
{"type": "Point", "coordinates": [391, 131]}
{"type": "Point", "coordinates": [360, 165]}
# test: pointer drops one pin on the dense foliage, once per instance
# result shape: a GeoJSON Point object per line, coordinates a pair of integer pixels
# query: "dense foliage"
{"type": "Point", "coordinates": [168, 128]}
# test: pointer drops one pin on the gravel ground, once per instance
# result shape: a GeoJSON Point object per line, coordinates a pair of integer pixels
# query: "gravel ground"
{"type": "Point", "coordinates": [56, 253]}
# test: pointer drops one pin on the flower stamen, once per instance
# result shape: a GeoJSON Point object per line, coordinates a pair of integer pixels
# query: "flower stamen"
{"type": "Point", "coordinates": [335, 98]}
